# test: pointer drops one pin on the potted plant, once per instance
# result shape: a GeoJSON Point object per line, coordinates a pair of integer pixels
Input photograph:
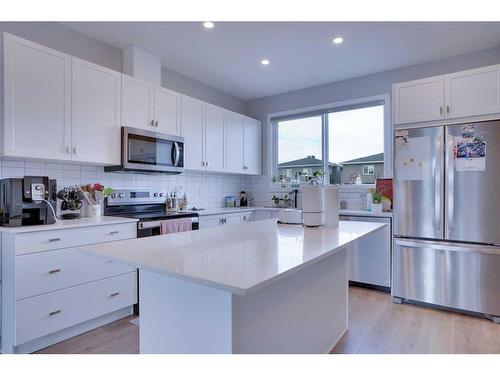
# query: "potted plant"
{"type": "Point", "coordinates": [281, 202]}
{"type": "Point", "coordinates": [377, 201]}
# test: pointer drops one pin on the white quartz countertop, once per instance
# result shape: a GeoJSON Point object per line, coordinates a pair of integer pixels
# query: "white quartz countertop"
{"type": "Point", "coordinates": [66, 224]}
{"type": "Point", "coordinates": [236, 258]}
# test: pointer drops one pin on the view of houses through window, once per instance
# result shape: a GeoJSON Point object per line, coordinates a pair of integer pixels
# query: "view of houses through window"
{"type": "Point", "coordinates": [355, 145]}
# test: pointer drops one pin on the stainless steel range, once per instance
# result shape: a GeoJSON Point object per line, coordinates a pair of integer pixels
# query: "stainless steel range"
{"type": "Point", "coordinates": [146, 205]}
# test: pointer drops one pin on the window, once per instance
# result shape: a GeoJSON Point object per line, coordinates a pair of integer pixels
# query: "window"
{"type": "Point", "coordinates": [344, 141]}
{"type": "Point", "coordinates": [368, 169]}
{"type": "Point", "coordinates": [356, 136]}
{"type": "Point", "coordinates": [299, 146]}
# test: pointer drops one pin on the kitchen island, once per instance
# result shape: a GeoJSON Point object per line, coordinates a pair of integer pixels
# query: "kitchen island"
{"type": "Point", "coordinates": [261, 287]}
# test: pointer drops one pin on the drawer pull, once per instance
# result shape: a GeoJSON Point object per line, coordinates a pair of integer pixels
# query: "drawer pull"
{"type": "Point", "coordinates": [114, 232]}
{"type": "Point", "coordinates": [52, 313]}
{"type": "Point", "coordinates": [114, 294]}
{"type": "Point", "coordinates": [55, 271]}
{"type": "Point", "coordinates": [54, 239]}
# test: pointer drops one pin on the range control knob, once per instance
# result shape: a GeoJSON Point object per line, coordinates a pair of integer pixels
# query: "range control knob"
{"type": "Point", "coordinates": [121, 195]}
{"type": "Point", "coordinates": [161, 194]}
{"type": "Point", "coordinates": [113, 195]}
{"type": "Point", "coordinates": [155, 195]}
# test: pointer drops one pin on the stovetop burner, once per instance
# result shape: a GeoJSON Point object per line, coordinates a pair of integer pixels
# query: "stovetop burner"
{"type": "Point", "coordinates": [142, 204]}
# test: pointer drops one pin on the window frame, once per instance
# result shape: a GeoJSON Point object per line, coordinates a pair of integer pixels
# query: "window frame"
{"type": "Point", "coordinates": [324, 110]}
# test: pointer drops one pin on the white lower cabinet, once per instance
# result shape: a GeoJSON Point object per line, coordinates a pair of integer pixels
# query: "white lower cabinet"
{"type": "Point", "coordinates": [211, 221]}
{"type": "Point", "coordinates": [51, 291]}
{"type": "Point", "coordinates": [40, 273]}
{"type": "Point", "coordinates": [51, 312]}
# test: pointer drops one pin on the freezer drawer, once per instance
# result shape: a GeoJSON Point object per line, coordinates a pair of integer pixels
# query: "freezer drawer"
{"type": "Point", "coordinates": [460, 276]}
{"type": "Point", "coordinates": [369, 259]}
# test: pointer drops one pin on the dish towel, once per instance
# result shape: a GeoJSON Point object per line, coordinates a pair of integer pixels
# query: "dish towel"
{"type": "Point", "coordinates": [175, 225]}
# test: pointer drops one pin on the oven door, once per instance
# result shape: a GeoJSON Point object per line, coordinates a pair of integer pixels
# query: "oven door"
{"type": "Point", "coordinates": [152, 228]}
{"type": "Point", "coordinates": [151, 151]}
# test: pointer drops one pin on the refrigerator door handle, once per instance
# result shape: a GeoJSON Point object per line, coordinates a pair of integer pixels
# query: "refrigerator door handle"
{"type": "Point", "coordinates": [449, 246]}
{"type": "Point", "coordinates": [450, 170]}
{"type": "Point", "coordinates": [437, 184]}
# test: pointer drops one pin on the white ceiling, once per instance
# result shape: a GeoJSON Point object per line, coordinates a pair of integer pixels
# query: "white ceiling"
{"type": "Point", "coordinates": [301, 53]}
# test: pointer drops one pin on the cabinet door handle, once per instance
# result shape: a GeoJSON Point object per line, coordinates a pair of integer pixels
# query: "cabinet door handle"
{"type": "Point", "coordinates": [114, 294]}
{"type": "Point", "coordinates": [447, 109]}
{"type": "Point", "coordinates": [441, 110]}
{"type": "Point", "coordinates": [54, 271]}
{"type": "Point", "coordinates": [114, 232]}
{"type": "Point", "coordinates": [152, 123]}
{"type": "Point", "coordinates": [74, 150]}
{"type": "Point", "coordinates": [68, 150]}
{"type": "Point", "coordinates": [52, 313]}
{"type": "Point", "coordinates": [206, 163]}
{"type": "Point", "coordinates": [156, 123]}
{"type": "Point", "coordinates": [55, 239]}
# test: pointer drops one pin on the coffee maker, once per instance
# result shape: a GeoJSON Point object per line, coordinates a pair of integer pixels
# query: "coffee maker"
{"type": "Point", "coordinates": [26, 201]}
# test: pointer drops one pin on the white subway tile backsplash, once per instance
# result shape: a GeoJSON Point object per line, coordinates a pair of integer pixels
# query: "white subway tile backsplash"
{"type": "Point", "coordinates": [206, 190]}
{"type": "Point", "coordinates": [13, 163]}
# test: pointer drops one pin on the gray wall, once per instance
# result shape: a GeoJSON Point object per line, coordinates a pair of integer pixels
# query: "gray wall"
{"type": "Point", "coordinates": [373, 84]}
{"type": "Point", "coordinates": [64, 39]}
{"type": "Point", "coordinates": [187, 86]}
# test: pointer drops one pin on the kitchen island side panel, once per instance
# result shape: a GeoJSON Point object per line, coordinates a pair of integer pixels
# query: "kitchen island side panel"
{"type": "Point", "coordinates": [303, 313]}
{"type": "Point", "coordinates": [181, 317]}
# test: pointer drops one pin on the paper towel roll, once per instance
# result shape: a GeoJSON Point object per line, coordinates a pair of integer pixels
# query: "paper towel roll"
{"type": "Point", "coordinates": [331, 206]}
{"type": "Point", "coordinates": [312, 205]}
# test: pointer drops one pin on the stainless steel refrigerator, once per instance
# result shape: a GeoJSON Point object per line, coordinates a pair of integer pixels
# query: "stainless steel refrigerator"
{"type": "Point", "coordinates": [447, 217]}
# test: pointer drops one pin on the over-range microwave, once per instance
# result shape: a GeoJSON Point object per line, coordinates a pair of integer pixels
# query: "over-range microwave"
{"type": "Point", "coordinates": [144, 151]}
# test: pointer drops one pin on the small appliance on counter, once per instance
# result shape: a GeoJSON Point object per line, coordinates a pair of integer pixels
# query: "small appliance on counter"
{"type": "Point", "coordinates": [290, 216]}
{"type": "Point", "coordinates": [312, 205]}
{"type": "Point", "coordinates": [243, 199]}
{"type": "Point", "coordinates": [71, 202]}
{"type": "Point", "coordinates": [30, 200]}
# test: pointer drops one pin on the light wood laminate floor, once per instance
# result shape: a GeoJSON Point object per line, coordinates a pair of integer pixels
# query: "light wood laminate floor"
{"type": "Point", "coordinates": [376, 325]}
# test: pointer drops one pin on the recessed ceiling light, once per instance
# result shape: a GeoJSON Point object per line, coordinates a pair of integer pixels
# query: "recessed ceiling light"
{"type": "Point", "coordinates": [338, 40]}
{"type": "Point", "coordinates": [208, 25]}
{"type": "Point", "coordinates": [265, 62]}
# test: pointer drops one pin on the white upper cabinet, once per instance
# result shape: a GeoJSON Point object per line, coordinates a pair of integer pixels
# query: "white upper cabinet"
{"type": "Point", "coordinates": [167, 111]}
{"type": "Point", "coordinates": [37, 92]}
{"type": "Point", "coordinates": [149, 107]}
{"type": "Point", "coordinates": [252, 146]}
{"type": "Point", "coordinates": [96, 98]}
{"type": "Point", "coordinates": [192, 131]}
{"type": "Point", "coordinates": [419, 101]}
{"type": "Point", "coordinates": [235, 124]}
{"type": "Point", "coordinates": [473, 92]}
{"type": "Point", "coordinates": [469, 93]}
{"type": "Point", "coordinates": [59, 107]}
{"type": "Point", "coordinates": [243, 144]}
{"type": "Point", "coordinates": [137, 103]}
{"type": "Point", "coordinates": [214, 138]}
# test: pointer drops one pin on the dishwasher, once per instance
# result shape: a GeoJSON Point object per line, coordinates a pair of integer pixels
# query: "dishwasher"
{"type": "Point", "coordinates": [369, 259]}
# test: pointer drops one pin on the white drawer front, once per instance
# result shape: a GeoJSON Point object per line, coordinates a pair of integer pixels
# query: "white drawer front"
{"type": "Point", "coordinates": [39, 316]}
{"type": "Point", "coordinates": [63, 238]}
{"type": "Point", "coordinates": [48, 271]}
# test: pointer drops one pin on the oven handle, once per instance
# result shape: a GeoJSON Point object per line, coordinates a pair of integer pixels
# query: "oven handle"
{"type": "Point", "coordinates": [157, 223]}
